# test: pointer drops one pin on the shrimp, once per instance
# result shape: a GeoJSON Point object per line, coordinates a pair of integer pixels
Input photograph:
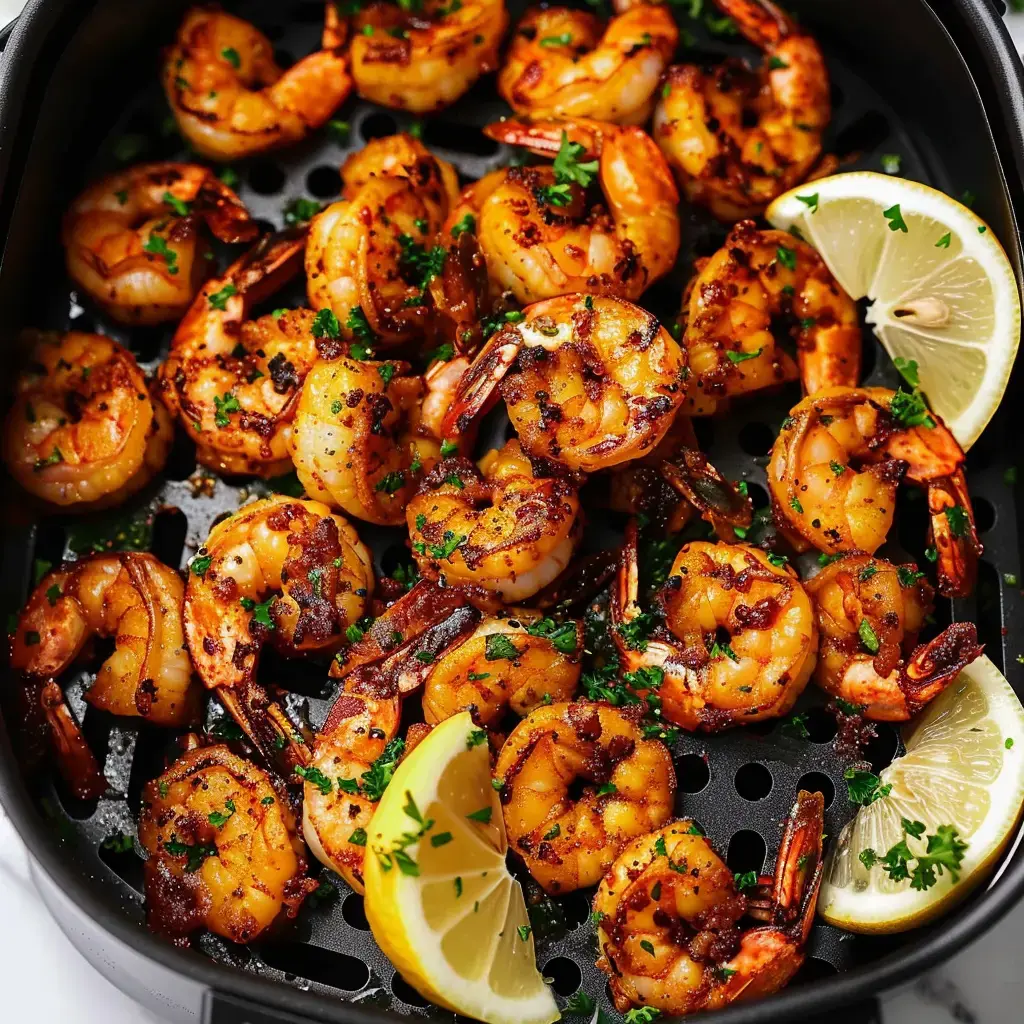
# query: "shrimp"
{"type": "Point", "coordinates": [567, 842]}
{"type": "Point", "coordinates": [279, 569]}
{"type": "Point", "coordinates": [738, 138]}
{"type": "Point", "coordinates": [229, 97]}
{"type": "Point", "coordinates": [757, 281]}
{"type": "Point", "coordinates": [224, 849]}
{"type": "Point", "coordinates": [869, 614]}
{"type": "Point", "coordinates": [567, 63]}
{"type": "Point", "coordinates": [497, 526]}
{"type": "Point", "coordinates": [423, 57]}
{"type": "Point", "coordinates": [588, 382]}
{"type": "Point", "coordinates": [84, 428]}
{"type": "Point", "coordinates": [603, 219]}
{"type": "Point", "coordinates": [233, 382]}
{"type": "Point", "coordinates": [133, 244]}
{"type": "Point", "coordinates": [739, 641]}
{"type": "Point", "coordinates": [838, 459]}
{"type": "Point", "coordinates": [669, 914]}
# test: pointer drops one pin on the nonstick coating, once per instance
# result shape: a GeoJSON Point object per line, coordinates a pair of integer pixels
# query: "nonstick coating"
{"type": "Point", "coordinates": [737, 785]}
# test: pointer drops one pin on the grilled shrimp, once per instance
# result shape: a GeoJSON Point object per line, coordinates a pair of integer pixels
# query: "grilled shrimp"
{"type": "Point", "coordinates": [234, 382]}
{"type": "Point", "coordinates": [566, 63]}
{"type": "Point", "coordinates": [133, 241]}
{"type": "Point", "coordinates": [279, 569]}
{"type": "Point", "coordinates": [497, 526]}
{"type": "Point", "coordinates": [372, 255]}
{"type": "Point", "coordinates": [608, 225]}
{"type": "Point", "coordinates": [669, 915]}
{"type": "Point", "coordinates": [423, 57]}
{"type": "Point", "coordinates": [759, 280]}
{"type": "Point", "coordinates": [229, 97]}
{"type": "Point", "coordinates": [628, 785]}
{"type": "Point", "coordinates": [224, 849]}
{"type": "Point", "coordinates": [588, 382]}
{"type": "Point", "coordinates": [738, 138]}
{"type": "Point", "coordinates": [739, 640]}
{"type": "Point", "coordinates": [838, 459]}
{"type": "Point", "coordinates": [869, 614]}
{"type": "Point", "coordinates": [83, 427]}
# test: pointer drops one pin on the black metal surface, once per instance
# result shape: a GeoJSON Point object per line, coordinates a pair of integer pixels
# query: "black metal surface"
{"type": "Point", "coordinates": [738, 785]}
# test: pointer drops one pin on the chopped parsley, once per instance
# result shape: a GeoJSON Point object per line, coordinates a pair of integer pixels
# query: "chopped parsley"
{"type": "Point", "coordinates": [895, 218]}
{"type": "Point", "coordinates": [864, 788]}
{"type": "Point", "coordinates": [562, 635]}
{"type": "Point", "coordinates": [219, 299]}
{"type": "Point", "coordinates": [498, 647]}
{"type": "Point", "coordinates": [157, 245]}
{"type": "Point", "coordinates": [868, 637]}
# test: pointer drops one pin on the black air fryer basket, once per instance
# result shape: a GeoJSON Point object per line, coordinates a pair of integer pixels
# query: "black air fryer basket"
{"type": "Point", "coordinates": [936, 82]}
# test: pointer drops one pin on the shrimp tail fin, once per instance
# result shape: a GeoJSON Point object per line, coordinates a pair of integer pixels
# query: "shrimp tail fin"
{"type": "Point", "coordinates": [266, 725]}
{"type": "Point", "coordinates": [718, 501]}
{"type": "Point", "coordinates": [954, 534]}
{"type": "Point", "coordinates": [760, 21]}
{"type": "Point", "coordinates": [76, 761]}
{"type": "Point", "coordinates": [934, 665]}
{"type": "Point", "coordinates": [477, 390]}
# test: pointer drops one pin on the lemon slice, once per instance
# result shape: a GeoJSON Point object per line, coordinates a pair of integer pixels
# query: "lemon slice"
{"type": "Point", "coordinates": [943, 291]}
{"type": "Point", "coordinates": [440, 901]}
{"type": "Point", "coordinates": [964, 767]}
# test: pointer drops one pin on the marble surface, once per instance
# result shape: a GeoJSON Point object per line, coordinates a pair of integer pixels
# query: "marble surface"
{"type": "Point", "coordinates": [44, 979]}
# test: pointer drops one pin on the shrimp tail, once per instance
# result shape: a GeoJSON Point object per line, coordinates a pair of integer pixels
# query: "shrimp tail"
{"type": "Point", "coordinates": [266, 725]}
{"type": "Point", "coordinates": [578, 582]}
{"type": "Point", "coordinates": [76, 761]}
{"type": "Point", "coordinates": [934, 665]}
{"type": "Point", "coordinates": [545, 137]}
{"type": "Point", "coordinates": [223, 212]}
{"type": "Point", "coordinates": [954, 534]}
{"type": "Point", "coordinates": [477, 390]}
{"type": "Point", "coordinates": [719, 502]}
{"type": "Point", "coordinates": [624, 605]}
{"type": "Point", "coordinates": [760, 21]}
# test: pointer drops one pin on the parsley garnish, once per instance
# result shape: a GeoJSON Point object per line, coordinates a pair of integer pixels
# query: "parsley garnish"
{"type": "Point", "coordinates": [787, 257]}
{"type": "Point", "coordinates": [157, 245]}
{"type": "Point", "coordinates": [498, 647]}
{"type": "Point", "coordinates": [218, 819]}
{"type": "Point", "coordinates": [562, 635]}
{"type": "Point", "coordinates": [466, 223]}
{"type": "Point", "coordinates": [864, 787]}
{"type": "Point", "coordinates": [300, 210]}
{"type": "Point", "coordinates": [895, 218]}
{"type": "Point", "coordinates": [195, 853]}
{"type": "Point", "coordinates": [868, 637]}
{"type": "Point", "coordinates": [219, 300]}
{"type": "Point", "coordinates": [315, 777]}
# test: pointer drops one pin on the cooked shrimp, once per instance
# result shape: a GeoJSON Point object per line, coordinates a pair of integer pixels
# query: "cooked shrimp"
{"type": "Point", "coordinates": [738, 138]}
{"type": "Point", "coordinates": [83, 427]}
{"type": "Point", "coordinates": [569, 63]}
{"type": "Point", "coordinates": [669, 915]}
{"type": "Point", "coordinates": [422, 57]}
{"type": "Point", "coordinates": [497, 526]}
{"type": "Point", "coordinates": [224, 849]}
{"type": "Point", "coordinates": [739, 641]}
{"type": "Point", "coordinates": [628, 787]}
{"type": "Point", "coordinates": [550, 230]}
{"type": "Point", "coordinates": [279, 569]}
{"type": "Point", "coordinates": [588, 382]}
{"type": "Point", "coordinates": [836, 464]}
{"type": "Point", "coordinates": [869, 614]}
{"type": "Point", "coordinates": [757, 281]}
{"type": "Point", "coordinates": [229, 97]}
{"type": "Point", "coordinates": [234, 382]}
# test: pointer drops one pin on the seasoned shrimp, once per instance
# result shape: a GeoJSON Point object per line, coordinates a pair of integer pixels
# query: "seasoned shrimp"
{"type": "Point", "coordinates": [669, 915]}
{"type": "Point", "coordinates": [739, 642]}
{"type": "Point", "coordinates": [588, 382]}
{"type": "Point", "coordinates": [757, 281]}
{"type": "Point", "coordinates": [279, 569]}
{"type": "Point", "coordinates": [603, 219]}
{"type": "Point", "coordinates": [234, 382]}
{"type": "Point", "coordinates": [738, 138]}
{"type": "Point", "coordinates": [869, 613]}
{"type": "Point", "coordinates": [628, 785]}
{"type": "Point", "coordinates": [422, 57]}
{"type": "Point", "coordinates": [224, 849]}
{"type": "Point", "coordinates": [496, 526]}
{"type": "Point", "coordinates": [229, 97]}
{"type": "Point", "coordinates": [133, 244]}
{"type": "Point", "coordinates": [568, 63]}
{"type": "Point", "coordinates": [83, 427]}
{"type": "Point", "coordinates": [838, 459]}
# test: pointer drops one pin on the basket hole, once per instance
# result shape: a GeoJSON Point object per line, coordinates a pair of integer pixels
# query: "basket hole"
{"type": "Point", "coordinates": [704, 428]}
{"type": "Point", "coordinates": [868, 356]}
{"type": "Point", "coordinates": [169, 529]}
{"type": "Point", "coordinates": [692, 773]}
{"type": "Point", "coordinates": [815, 969]}
{"type": "Point", "coordinates": [404, 991]}
{"type": "Point", "coordinates": [354, 912]}
{"type": "Point", "coordinates": [448, 135]}
{"type": "Point", "coordinates": [565, 975]}
{"type": "Point", "coordinates": [753, 781]}
{"type": "Point", "coordinates": [882, 748]}
{"type": "Point", "coordinates": [984, 514]}
{"type": "Point", "coordinates": [756, 438]}
{"type": "Point", "coordinates": [284, 58]}
{"type": "Point", "coordinates": [988, 618]}
{"type": "Point", "coordinates": [576, 908]}
{"type": "Point", "coordinates": [265, 177]}
{"type": "Point", "coordinates": [821, 726]}
{"type": "Point", "coordinates": [378, 126]}
{"type": "Point", "coordinates": [181, 463]}
{"type": "Point", "coordinates": [818, 782]}
{"type": "Point", "coordinates": [339, 970]}
{"type": "Point", "coordinates": [273, 32]}
{"type": "Point", "coordinates": [747, 851]}
{"type": "Point", "coordinates": [324, 182]}
{"type": "Point", "coordinates": [864, 134]}
{"type": "Point", "coordinates": [127, 866]}
{"type": "Point", "coordinates": [758, 495]}
{"type": "Point", "coordinates": [267, 227]}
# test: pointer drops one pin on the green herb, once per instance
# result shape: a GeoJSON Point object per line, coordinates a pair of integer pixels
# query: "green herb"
{"type": "Point", "coordinates": [910, 409]}
{"type": "Point", "coordinates": [267, 801]}
{"type": "Point", "coordinates": [1009, 578]}
{"type": "Point", "coordinates": [891, 163]}
{"type": "Point", "coordinates": [179, 206]}
{"type": "Point", "coordinates": [300, 210]}
{"type": "Point", "coordinates": [218, 819]}
{"type": "Point", "coordinates": [225, 729]}
{"type": "Point", "coordinates": [931, 553]}
{"type": "Point", "coordinates": [194, 853]}
{"type": "Point", "coordinates": [229, 176]}
{"type": "Point", "coordinates": [907, 576]}
{"type": "Point", "coordinates": [390, 482]}
{"type": "Point", "coordinates": [866, 573]}
{"type": "Point", "coordinates": [260, 612]}
{"type": "Point", "coordinates": [1009, 743]}
{"type": "Point", "coordinates": [607, 789]}
{"type": "Point", "coordinates": [377, 777]}
{"type": "Point", "coordinates": [339, 131]}
{"type": "Point", "coordinates": [449, 542]}
{"type": "Point", "coordinates": [458, 886]}
{"type": "Point", "coordinates": [419, 264]}
{"type": "Point", "coordinates": [362, 331]}
{"type": "Point", "coordinates": [868, 857]}
{"type": "Point", "coordinates": [497, 647]}
{"type": "Point", "coordinates": [943, 242]}
{"type": "Point", "coordinates": [811, 202]}
{"type": "Point", "coordinates": [796, 725]}
{"type": "Point", "coordinates": [476, 738]}
{"type": "Point", "coordinates": [552, 833]}
{"type": "Point", "coordinates": [647, 946]}
{"type": "Point", "coordinates": [53, 594]}
{"type": "Point", "coordinates": [163, 789]}
{"type": "Point", "coordinates": [747, 880]}
{"type": "Point", "coordinates": [119, 842]}
{"type": "Point", "coordinates": [837, 467]}
{"type": "Point", "coordinates": [466, 223]}
{"type": "Point", "coordinates": [562, 635]}
{"type": "Point", "coordinates": [794, 504]}
{"type": "Point", "coordinates": [908, 370]}
{"type": "Point", "coordinates": [895, 218]}
{"type": "Point", "coordinates": [483, 815]}
{"type": "Point", "coordinates": [230, 54]}
{"type": "Point", "coordinates": [778, 64]}
{"type": "Point", "coordinates": [777, 560]}
{"type": "Point", "coordinates": [787, 257]}
{"type": "Point", "coordinates": [636, 632]}
{"type": "Point", "coordinates": [719, 650]}
{"type": "Point", "coordinates": [564, 39]}
{"type": "Point", "coordinates": [157, 245]}
{"type": "Point", "coordinates": [223, 406]}
{"type": "Point", "coordinates": [735, 356]}
{"type": "Point", "coordinates": [944, 851]}
{"type": "Point", "coordinates": [641, 1015]}
{"type": "Point", "coordinates": [315, 777]}
{"type": "Point", "coordinates": [864, 788]}
{"type": "Point", "coordinates": [523, 931]}
{"type": "Point", "coordinates": [868, 637]}
{"type": "Point", "coordinates": [580, 1004]}
{"type": "Point", "coordinates": [956, 517]}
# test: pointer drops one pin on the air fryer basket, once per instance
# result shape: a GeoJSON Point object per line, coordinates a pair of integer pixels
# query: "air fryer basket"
{"type": "Point", "coordinates": [77, 79]}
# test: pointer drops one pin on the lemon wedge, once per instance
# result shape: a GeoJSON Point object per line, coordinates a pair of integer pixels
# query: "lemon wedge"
{"type": "Point", "coordinates": [439, 898]}
{"type": "Point", "coordinates": [943, 291]}
{"type": "Point", "coordinates": [964, 767]}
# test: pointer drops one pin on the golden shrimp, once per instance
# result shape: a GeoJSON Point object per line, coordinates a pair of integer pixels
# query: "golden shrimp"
{"type": "Point", "coordinates": [495, 526]}
{"type": "Point", "coordinates": [603, 219]}
{"type": "Point", "coordinates": [739, 642]}
{"type": "Point", "coordinates": [423, 57]}
{"type": "Point", "coordinates": [628, 788]}
{"type": "Point", "coordinates": [229, 97]}
{"type": "Point", "coordinates": [233, 382]}
{"type": "Point", "coordinates": [838, 459]}
{"type": "Point", "coordinates": [738, 138]}
{"type": "Point", "coordinates": [588, 382]}
{"type": "Point", "coordinates": [669, 915]}
{"type": "Point", "coordinates": [83, 427]}
{"type": "Point", "coordinates": [224, 850]}
{"type": "Point", "coordinates": [869, 613]}
{"type": "Point", "coordinates": [133, 244]}
{"type": "Point", "coordinates": [566, 63]}
{"type": "Point", "coordinates": [759, 280]}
